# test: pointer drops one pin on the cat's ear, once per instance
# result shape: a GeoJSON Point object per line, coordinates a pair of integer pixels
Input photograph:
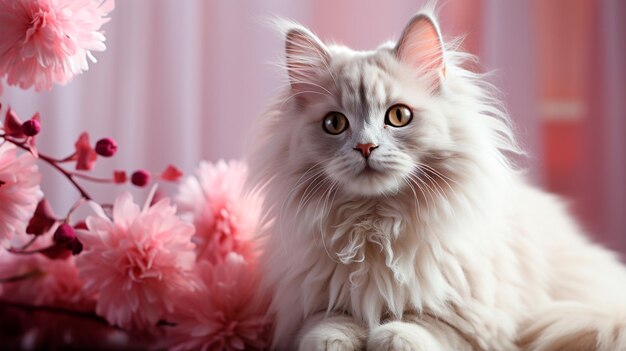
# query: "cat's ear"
{"type": "Point", "coordinates": [421, 46]}
{"type": "Point", "coordinates": [305, 56]}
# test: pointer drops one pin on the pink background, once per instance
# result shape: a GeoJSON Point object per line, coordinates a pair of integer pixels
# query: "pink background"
{"type": "Point", "coordinates": [183, 81]}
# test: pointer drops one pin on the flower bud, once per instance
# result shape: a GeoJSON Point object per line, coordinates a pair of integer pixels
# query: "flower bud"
{"type": "Point", "coordinates": [75, 246]}
{"type": "Point", "coordinates": [119, 177]}
{"type": "Point", "coordinates": [31, 127]}
{"type": "Point", "coordinates": [171, 174]}
{"type": "Point", "coordinates": [43, 219]}
{"type": "Point", "coordinates": [106, 147]}
{"type": "Point", "coordinates": [140, 178]}
{"type": "Point", "coordinates": [81, 225]}
{"type": "Point", "coordinates": [56, 252]}
{"type": "Point", "coordinates": [64, 234]}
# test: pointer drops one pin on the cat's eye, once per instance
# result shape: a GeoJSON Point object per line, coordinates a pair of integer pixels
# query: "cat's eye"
{"type": "Point", "coordinates": [335, 123]}
{"type": "Point", "coordinates": [398, 116]}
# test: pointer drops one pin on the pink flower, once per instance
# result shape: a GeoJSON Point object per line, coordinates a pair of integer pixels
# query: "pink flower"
{"type": "Point", "coordinates": [224, 218]}
{"type": "Point", "coordinates": [48, 41]}
{"type": "Point", "coordinates": [19, 191]}
{"type": "Point", "coordinates": [227, 313]}
{"type": "Point", "coordinates": [136, 262]}
{"type": "Point", "coordinates": [85, 154]}
{"type": "Point", "coordinates": [47, 282]}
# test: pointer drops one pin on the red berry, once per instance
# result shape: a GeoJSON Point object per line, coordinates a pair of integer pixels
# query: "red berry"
{"type": "Point", "coordinates": [31, 127]}
{"type": "Point", "coordinates": [106, 147]}
{"type": "Point", "coordinates": [64, 234]}
{"type": "Point", "coordinates": [140, 178]}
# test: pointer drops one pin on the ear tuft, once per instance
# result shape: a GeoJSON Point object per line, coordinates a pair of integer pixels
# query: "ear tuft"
{"type": "Point", "coordinates": [305, 54]}
{"type": "Point", "coordinates": [421, 46]}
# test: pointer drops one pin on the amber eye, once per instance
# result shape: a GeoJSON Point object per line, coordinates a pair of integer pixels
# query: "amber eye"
{"type": "Point", "coordinates": [398, 116]}
{"type": "Point", "coordinates": [335, 123]}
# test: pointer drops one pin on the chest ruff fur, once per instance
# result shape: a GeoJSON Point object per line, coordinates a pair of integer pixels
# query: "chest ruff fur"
{"type": "Point", "coordinates": [376, 261]}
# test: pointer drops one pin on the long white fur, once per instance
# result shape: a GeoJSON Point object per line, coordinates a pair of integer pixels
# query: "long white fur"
{"type": "Point", "coordinates": [451, 247]}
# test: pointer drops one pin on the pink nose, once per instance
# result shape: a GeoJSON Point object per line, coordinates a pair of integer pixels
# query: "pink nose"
{"type": "Point", "coordinates": [366, 149]}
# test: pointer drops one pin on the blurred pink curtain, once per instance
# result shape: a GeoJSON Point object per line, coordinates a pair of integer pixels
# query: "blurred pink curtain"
{"type": "Point", "coordinates": [183, 80]}
{"type": "Point", "coordinates": [612, 142]}
{"type": "Point", "coordinates": [581, 55]}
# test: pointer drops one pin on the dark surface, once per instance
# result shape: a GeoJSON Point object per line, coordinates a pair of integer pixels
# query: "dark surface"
{"type": "Point", "coordinates": [48, 328]}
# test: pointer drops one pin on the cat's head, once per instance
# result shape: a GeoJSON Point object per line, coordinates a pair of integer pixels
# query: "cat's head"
{"type": "Point", "coordinates": [372, 123]}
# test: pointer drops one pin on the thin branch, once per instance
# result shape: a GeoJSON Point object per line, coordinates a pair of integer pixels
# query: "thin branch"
{"type": "Point", "coordinates": [26, 252]}
{"type": "Point", "coordinates": [75, 207]}
{"type": "Point", "coordinates": [30, 242]}
{"type": "Point", "coordinates": [20, 277]}
{"type": "Point", "coordinates": [52, 162]}
{"type": "Point", "coordinates": [92, 179]}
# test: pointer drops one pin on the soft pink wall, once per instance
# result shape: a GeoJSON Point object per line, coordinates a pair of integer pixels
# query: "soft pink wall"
{"type": "Point", "coordinates": [613, 141]}
{"type": "Point", "coordinates": [183, 80]}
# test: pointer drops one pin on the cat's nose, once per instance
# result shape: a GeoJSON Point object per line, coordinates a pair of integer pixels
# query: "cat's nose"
{"type": "Point", "coordinates": [366, 149]}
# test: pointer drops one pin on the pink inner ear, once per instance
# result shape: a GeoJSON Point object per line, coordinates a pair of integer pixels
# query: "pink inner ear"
{"type": "Point", "coordinates": [304, 55]}
{"type": "Point", "coordinates": [420, 45]}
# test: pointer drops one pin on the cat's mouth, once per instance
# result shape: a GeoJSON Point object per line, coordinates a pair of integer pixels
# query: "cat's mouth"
{"type": "Point", "coordinates": [368, 170]}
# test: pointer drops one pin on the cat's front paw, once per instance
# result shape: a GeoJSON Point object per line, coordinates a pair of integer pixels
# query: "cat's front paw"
{"type": "Point", "coordinates": [333, 336]}
{"type": "Point", "coordinates": [401, 336]}
{"type": "Point", "coordinates": [331, 344]}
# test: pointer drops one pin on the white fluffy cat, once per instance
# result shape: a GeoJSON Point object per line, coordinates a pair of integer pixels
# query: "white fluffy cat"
{"type": "Point", "coordinates": [395, 220]}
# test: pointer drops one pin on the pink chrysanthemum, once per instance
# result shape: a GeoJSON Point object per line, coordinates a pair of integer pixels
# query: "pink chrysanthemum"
{"type": "Point", "coordinates": [224, 218]}
{"type": "Point", "coordinates": [19, 191]}
{"type": "Point", "coordinates": [46, 282]}
{"type": "Point", "coordinates": [48, 41]}
{"type": "Point", "coordinates": [136, 262]}
{"type": "Point", "coordinates": [226, 314]}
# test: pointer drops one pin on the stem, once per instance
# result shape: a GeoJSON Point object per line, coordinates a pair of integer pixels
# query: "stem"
{"type": "Point", "coordinates": [21, 277]}
{"type": "Point", "coordinates": [63, 160]}
{"type": "Point", "coordinates": [52, 162]}
{"type": "Point", "coordinates": [24, 252]}
{"type": "Point", "coordinates": [75, 206]}
{"type": "Point", "coordinates": [92, 179]}
{"type": "Point", "coordinates": [68, 175]}
{"type": "Point", "coordinates": [29, 243]}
